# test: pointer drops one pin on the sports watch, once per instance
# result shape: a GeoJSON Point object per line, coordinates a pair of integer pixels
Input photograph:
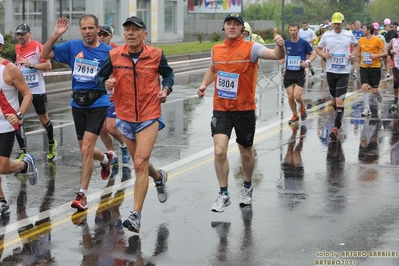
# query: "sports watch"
{"type": "Point", "coordinates": [19, 115]}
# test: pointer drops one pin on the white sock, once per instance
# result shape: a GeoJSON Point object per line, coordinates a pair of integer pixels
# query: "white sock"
{"type": "Point", "coordinates": [84, 191]}
{"type": "Point", "coordinates": [123, 145]}
{"type": "Point", "coordinates": [105, 160]}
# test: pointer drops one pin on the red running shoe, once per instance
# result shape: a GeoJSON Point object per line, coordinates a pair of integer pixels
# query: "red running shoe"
{"type": "Point", "coordinates": [106, 168]}
{"type": "Point", "coordinates": [80, 202]}
{"type": "Point", "coordinates": [294, 119]}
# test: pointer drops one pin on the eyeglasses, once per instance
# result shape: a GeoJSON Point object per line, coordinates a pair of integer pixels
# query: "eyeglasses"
{"type": "Point", "coordinates": [103, 34]}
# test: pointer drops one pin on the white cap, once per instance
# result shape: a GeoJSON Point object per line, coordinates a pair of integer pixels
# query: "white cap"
{"type": "Point", "coordinates": [1, 39]}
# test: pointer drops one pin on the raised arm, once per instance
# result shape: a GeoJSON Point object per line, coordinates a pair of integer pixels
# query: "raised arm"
{"type": "Point", "coordinates": [60, 28]}
{"type": "Point", "coordinates": [279, 50]}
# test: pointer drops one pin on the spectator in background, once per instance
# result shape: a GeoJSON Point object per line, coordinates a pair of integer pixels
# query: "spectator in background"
{"type": "Point", "coordinates": [308, 35]}
{"type": "Point", "coordinates": [358, 32]}
{"type": "Point", "coordinates": [105, 35]}
{"type": "Point", "coordinates": [326, 20]}
{"type": "Point", "coordinates": [393, 50]}
{"type": "Point", "coordinates": [386, 59]}
{"type": "Point", "coordinates": [391, 34]}
{"type": "Point", "coordinates": [250, 36]}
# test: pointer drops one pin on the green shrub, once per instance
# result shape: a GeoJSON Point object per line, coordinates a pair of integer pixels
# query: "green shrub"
{"type": "Point", "coordinates": [267, 34]}
{"type": "Point", "coordinates": [216, 37]}
{"type": "Point", "coordinates": [199, 36]}
{"type": "Point", "coordinates": [9, 48]}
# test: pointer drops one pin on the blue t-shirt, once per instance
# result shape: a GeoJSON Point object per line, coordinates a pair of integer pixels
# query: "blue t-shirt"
{"type": "Point", "coordinates": [358, 34]}
{"type": "Point", "coordinates": [84, 62]}
{"type": "Point", "coordinates": [296, 52]}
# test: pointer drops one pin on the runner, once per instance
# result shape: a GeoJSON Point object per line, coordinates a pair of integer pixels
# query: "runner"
{"type": "Point", "coordinates": [393, 48]}
{"type": "Point", "coordinates": [109, 126]}
{"type": "Point", "coordinates": [358, 33]}
{"type": "Point", "coordinates": [371, 50]}
{"type": "Point", "coordinates": [335, 47]}
{"type": "Point", "coordinates": [89, 103]}
{"type": "Point", "coordinates": [32, 67]}
{"type": "Point", "coordinates": [12, 82]}
{"type": "Point", "coordinates": [135, 69]}
{"type": "Point", "coordinates": [299, 56]}
{"type": "Point", "coordinates": [233, 70]}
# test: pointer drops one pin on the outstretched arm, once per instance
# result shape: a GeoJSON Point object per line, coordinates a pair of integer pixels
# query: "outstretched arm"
{"type": "Point", "coordinates": [60, 28]}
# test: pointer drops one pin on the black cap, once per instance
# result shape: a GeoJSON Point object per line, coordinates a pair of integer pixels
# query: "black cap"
{"type": "Point", "coordinates": [138, 21]}
{"type": "Point", "coordinates": [235, 16]}
{"type": "Point", "coordinates": [106, 29]}
{"type": "Point", "coordinates": [22, 28]}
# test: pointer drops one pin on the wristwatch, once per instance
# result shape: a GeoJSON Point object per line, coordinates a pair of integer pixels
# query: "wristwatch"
{"type": "Point", "coordinates": [31, 65]}
{"type": "Point", "coordinates": [19, 115]}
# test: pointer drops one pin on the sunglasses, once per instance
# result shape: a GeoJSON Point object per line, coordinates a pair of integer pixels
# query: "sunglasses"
{"type": "Point", "coordinates": [103, 34]}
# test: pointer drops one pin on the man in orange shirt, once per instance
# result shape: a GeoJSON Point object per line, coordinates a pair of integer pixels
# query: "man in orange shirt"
{"type": "Point", "coordinates": [233, 70]}
{"type": "Point", "coordinates": [135, 68]}
{"type": "Point", "coordinates": [372, 49]}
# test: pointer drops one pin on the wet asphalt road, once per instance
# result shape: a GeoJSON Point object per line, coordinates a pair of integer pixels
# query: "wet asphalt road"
{"type": "Point", "coordinates": [313, 200]}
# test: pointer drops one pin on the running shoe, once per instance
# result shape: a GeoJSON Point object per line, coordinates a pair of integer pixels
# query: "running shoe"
{"type": "Point", "coordinates": [115, 160]}
{"type": "Point", "coordinates": [31, 171]}
{"type": "Point", "coordinates": [162, 189]}
{"type": "Point", "coordinates": [133, 222]}
{"type": "Point", "coordinates": [20, 156]}
{"type": "Point", "coordinates": [106, 168]}
{"type": "Point", "coordinates": [221, 202]}
{"type": "Point", "coordinates": [52, 151]}
{"type": "Point", "coordinates": [246, 195]}
{"type": "Point", "coordinates": [125, 155]}
{"type": "Point", "coordinates": [366, 112]}
{"type": "Point", "coordinates": [80, 201]}
{"type": "Point", "coordinates": [334, 134]}
{"type": "Point", "coordinates": [294, 119]}
{"type": "Point", "coordinates": [304, 113]}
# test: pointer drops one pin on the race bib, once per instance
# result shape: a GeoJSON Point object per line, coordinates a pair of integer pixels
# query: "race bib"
{"type": "Point", "coordinates": [338, 60]}
{"type": "Point", "coordinates": [84, 70]}
{"type": "Point", "coordinates": [31, 77]}
{"type": "Point", "coordinates": [396, 58]}
{"type": "Point", "coordinates": [293, 62]}
{"type": "Point", "coordinates": [367, 58]}
{"type": "Point", "coordinates": [227, 85]}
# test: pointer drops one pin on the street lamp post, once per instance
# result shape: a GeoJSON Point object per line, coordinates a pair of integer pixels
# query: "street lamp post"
{"type": "Point", "coordinates": [282, 18]}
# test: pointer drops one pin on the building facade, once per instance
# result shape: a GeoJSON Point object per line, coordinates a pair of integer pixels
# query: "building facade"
{"type": "Point", "coordinates": [164, 18]}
